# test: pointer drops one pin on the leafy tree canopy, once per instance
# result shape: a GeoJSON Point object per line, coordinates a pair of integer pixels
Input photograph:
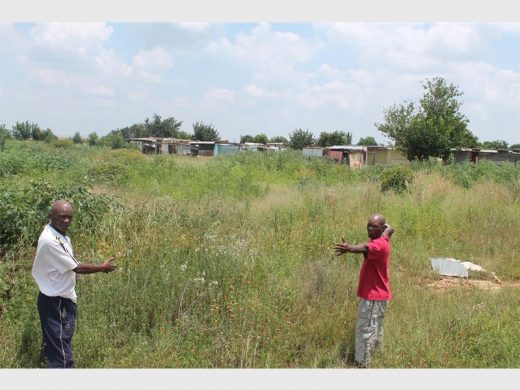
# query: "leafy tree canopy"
{"type": "Point", "coordinates": [184, 135]}
{"type": "Point", "coordinates": [205, 132]}
{"type": "Point", "coordinates": [334, 138]}
{"type": "Point", "coordinates": [247, 138]}
{"type": "Point", "coordinates": [300, 139]}
{"type": "Point", "coordinates": [433, 127]}
{"type": "Point", "coordinates": [114, 140]}
{"type": "Point", "coordinates": [154, 127]}
{"type": "Point", "coordinates": [367, 141]}
{"type": "Point", "coordinates": [4, 132]}
{"type": "Point", "coordinates": [76, 138]}
{"type": "Point", "coordinates": [498, 144]}
{"type": "Point", "coordinates": [93, 139]}
{"type": "Point", "coordinates": [261, 138]}
{"type": "Point", "coordinates": [162, 128]}
{"type": "Point", "coordinates": [26, 130]}
{"type": "Point", "coordinates": [279, 140]}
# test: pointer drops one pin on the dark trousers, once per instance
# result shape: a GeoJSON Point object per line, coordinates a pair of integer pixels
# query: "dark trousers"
{"type": "Point", "coordinates": [58, 319]}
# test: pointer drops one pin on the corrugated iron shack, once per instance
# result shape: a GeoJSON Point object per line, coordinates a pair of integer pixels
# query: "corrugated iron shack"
{"type": "Point", "coordinates": [147, 145]}
{"type": "Point", "coordinates": [385, 155]}
{"type": "Point", "coordinates": [251, 146]}
{"type": "Point", "coordinates": [350, 155]}
{"type": "Point", "coordinates": [225, 149]}
{"type": "Point", "coordinates": [500, 156]}
{"type": "Point", "coordinates": [313, 151]}
{"type": "Point", "coordinates": [202, 148]}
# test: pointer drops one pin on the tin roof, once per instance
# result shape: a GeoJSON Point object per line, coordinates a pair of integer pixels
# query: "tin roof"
{"type": "Point", "coordinates": [348, 147]}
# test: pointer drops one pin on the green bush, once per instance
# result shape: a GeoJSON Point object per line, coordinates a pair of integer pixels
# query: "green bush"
{"type": "Point", "coordinates": [397, 179]}
{"type": "Point", "coordinates": [24, 210]}
{"type": "Point", "coordinates": [110, 172]}
{"type": "Point", "coordinates": [468, 174]}
{"type": "Point", "coordinates": [62, 143]}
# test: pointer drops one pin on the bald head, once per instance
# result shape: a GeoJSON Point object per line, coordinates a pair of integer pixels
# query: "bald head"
{"type": "Point", "coordinates": [59, 205]}
{"type": "Point", "coordinates": [377, 218]}
{"type": "Point", "coordinates": [61, 215]}
{"type": "Point", "coordinates": [376, 225]}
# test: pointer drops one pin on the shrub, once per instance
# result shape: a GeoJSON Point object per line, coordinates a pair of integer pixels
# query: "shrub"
{"type": "Point", "coordinates": [110, 172]}
{"type": "Point", "coordinates": [62, 143]}
{"type": "Point", "coordinates": [24, 211]}
{"type": "Point", "coordinates": [397, 179]}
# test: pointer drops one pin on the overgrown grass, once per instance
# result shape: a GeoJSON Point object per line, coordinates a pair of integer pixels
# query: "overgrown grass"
{"type": "Point", "coordinates": [228, 262]}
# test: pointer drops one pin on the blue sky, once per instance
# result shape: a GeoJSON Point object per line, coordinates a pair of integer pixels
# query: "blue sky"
{"type": "Point", "coordinates": [254, 77]}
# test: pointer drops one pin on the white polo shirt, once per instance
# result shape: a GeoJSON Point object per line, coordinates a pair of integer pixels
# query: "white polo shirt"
{"type": "Point", "coordinates": [53, 265]}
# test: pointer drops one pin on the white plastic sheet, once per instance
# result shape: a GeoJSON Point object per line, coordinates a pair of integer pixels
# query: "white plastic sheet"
{"type": "Point", "coordinates": [449, 267]}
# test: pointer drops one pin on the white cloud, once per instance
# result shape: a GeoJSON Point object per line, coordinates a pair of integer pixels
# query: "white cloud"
{"type": "Point", "coordinates": [75, 37]}
{"type": "Point", "coordinates": [219, 95]}
{"type": "Point", "coordinates": [155, 59]}
{"type": "Point", "coordinates": [217, 99]}
{"type": "Point", "coordinates": [150, 64]}
{"type": "Point", "coordinates": [409, 47]}
{"type": "Point", "coordinates": [331, 71]}
{"type": "Point", "coordinates": [194, 27]}
{"type": "Point", "coordinates": [340, 95]}
{"type": "Point", "coordinates": [50, 77]}
{"type": "Point", "coordinates": [99, 90]}
{"type": "Point", "coordinates": [108, 62]}
{"type": "Point", "coordinates": [271, 55]}
{"type": "Point", "coordinates": [256, 91]}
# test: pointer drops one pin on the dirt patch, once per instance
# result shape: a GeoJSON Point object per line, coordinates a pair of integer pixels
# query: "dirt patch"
{"type": "Point", "coordinates": [448, 283]}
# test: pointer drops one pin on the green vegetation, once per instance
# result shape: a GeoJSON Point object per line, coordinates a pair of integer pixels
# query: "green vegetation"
{"type": "Point", "coordinates": [228, 262]}
{"type": "Point", "coordinates": [396, 178]}
{"type": "Point", "coordinates": [299, 139]}
{"type": "Point", "coordinates": [367, 141]}
{"type": "Point", "coordinates": [433, 127]}
{"type": "Point", "coordinates": [334, 138]}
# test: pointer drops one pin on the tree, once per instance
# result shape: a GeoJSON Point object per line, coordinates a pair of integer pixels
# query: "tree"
{"type": "Point", "coordinates": [334, 138]}
{"type": "Point", "coordinates": [246, 138]}
{"type": "Point", "coordinates": [76, 138]}
{"type": "Point", "coordinates": [432, 128]}
{"type": "Point", "coordinates": [92, 139]}
{"type": "Point", "coordinates": [137, 130]}
{"type": "Point", "coordinates": [278, 139]}
{"type": "Point", "coordinates": [114, 140]}
{"type": "Point", "coordinates": [168, 127]}
{"type": "Point", "coordinates": [367, 141]}
{"type": "Point", "coordinates": [26, 130]}
{"type": "Point", "coordinates": [48, 136]}
{"type": "Point", "coordinates": [36, 133]}
{"type": "Point", "coordinates": [300, 139]}
{"type": "Point", "coordinates": [204, 132]}
{"type": "Point", "coordinates": [184, 135]}
{"type": "Point", "coordinates": [4, 132]}
{"type": "Point", "coordinates": [498, 144]}
{"type": "Point", "coordinates": [261, 139]}
{"type": "Point", "coordinates": [514, 146]}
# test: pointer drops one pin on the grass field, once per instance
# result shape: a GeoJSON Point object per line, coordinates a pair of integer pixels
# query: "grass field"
{"type": "Point", "coordinates": [228, 262]}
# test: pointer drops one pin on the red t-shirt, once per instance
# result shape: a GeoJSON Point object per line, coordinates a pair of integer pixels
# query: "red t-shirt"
{"type": "Point", "coordinates": [374, 280]}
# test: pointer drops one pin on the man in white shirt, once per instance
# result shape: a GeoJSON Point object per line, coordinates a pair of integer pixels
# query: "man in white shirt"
{"type": "Point", "coordinates": [54, 270]}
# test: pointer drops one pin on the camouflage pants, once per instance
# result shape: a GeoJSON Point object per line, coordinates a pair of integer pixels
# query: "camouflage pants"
{"type": "Point", "coordinates": [369, 329]}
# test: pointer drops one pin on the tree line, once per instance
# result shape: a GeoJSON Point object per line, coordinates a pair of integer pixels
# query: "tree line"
{"type": "Point", "coordinates": [429, 128]}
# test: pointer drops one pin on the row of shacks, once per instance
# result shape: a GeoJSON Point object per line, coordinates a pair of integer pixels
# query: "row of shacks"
{"type": "Point", "coordinates": [358, 156]}
{"type": "Point", "coordinates": [350, 155]}
{"type": "Point", "coordinates": [152, 145]}
{"type": "Point", "coordinates": [499, 156]}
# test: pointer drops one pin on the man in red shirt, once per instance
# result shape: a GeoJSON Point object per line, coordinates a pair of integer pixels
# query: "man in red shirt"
{"type": "Point", "coordinates": [374, 286]}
